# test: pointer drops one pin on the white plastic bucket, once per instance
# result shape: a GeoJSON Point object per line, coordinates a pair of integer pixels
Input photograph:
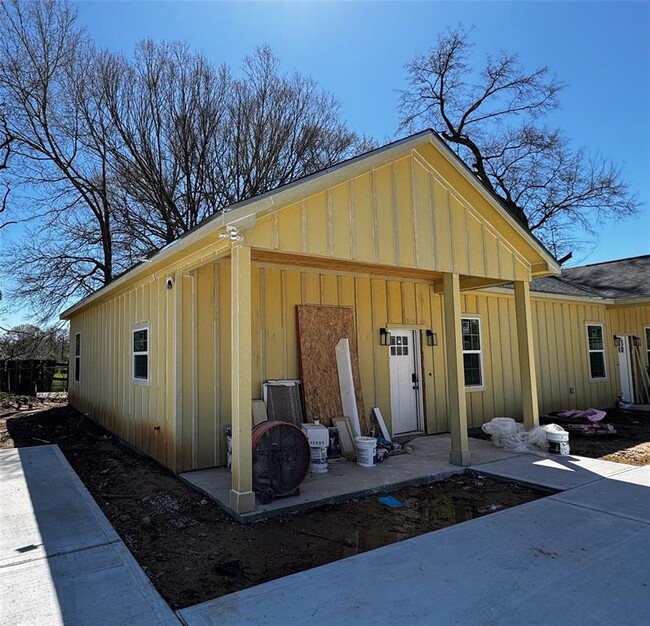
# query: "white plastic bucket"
{"type": "Point", "coordinates": [558, 443]}
{"type": "Point", "coordinates": [318, 460]}
{"type": "Point", "coordinates": [366, 448]}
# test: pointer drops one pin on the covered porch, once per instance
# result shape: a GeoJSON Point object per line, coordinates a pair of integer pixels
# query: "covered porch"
{"type": "Point", "coordinates": [442, 457]}
{"type": "Point", "coordinates": [346, 480]}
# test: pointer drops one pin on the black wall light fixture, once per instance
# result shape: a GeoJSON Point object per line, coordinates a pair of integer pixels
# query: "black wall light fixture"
{"type": "Point", "coordinates": [384, 337]}
{"type": "Point", "coordinates": [432, 338]}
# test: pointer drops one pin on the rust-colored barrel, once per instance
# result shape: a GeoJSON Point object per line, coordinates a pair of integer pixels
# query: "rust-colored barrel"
{"type": "Point", "coordinates": [281, 456]}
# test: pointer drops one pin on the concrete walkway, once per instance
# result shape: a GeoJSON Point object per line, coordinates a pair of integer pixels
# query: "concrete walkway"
{"type": "Point", "coordinates": [581, 556]}
{"type": "Point", "coordinates": [61, 562]}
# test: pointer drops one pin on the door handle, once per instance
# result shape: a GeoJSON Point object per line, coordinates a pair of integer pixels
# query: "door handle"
{"type": "Point", "coordinates": [414, 380]}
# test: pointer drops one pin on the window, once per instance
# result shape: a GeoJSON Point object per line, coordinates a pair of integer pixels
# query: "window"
{"type": "Point", "coordinates": [472, 351]}
{"type": "Point", "coordinates": [141, 353]}
{"type": "Point", "coordinates": [647, 343]}
{"type": "Point", "coordinates": [77, 356]}
{"type": "Point", "coordinates": [596, 347]}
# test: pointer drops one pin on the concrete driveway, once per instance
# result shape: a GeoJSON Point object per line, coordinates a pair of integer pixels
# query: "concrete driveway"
{"type": "Point", "coordinates": [61, 562]}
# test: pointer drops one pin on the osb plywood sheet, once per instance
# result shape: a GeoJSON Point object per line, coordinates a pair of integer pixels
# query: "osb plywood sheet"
{"type": "Point", "coordinates": [319, 330]}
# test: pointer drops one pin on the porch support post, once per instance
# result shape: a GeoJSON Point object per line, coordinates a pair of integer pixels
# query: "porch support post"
{"type": "Point", "coordinates": [526, 354]}
{"type": "Point", "coordinates": [460, 454]}
{"type": "Point", "coordinates": [242, 497]}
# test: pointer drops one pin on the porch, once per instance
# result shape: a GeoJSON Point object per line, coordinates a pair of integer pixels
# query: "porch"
{"type": "Point", "coordinates": [346, 480]}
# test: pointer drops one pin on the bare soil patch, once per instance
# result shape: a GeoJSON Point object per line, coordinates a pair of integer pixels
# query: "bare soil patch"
{"type": "Point", "coordinates": [630, 445]}
{"type": "Point", "coordinates": [193, 551]}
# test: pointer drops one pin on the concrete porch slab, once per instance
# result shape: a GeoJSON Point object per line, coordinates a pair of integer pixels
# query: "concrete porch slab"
{"type": "Point", "coordinates": [61, 562]}
{"type": "Point", "coordinates": [553, 472]}
{"type": "Point", "coordinates": [345, 480]}
{"type": "Point", "coordinates": [544, 562]}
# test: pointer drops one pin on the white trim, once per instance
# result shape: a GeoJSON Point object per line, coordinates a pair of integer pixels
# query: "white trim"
{"type": "Point", "coordinates": [134, 329]}
{"type": "Point", "coordinates": [646, 334]}
{"type": "Point", "coordinates": [481, 386]}
{"type": "Point", "coordinates": [599, 379]}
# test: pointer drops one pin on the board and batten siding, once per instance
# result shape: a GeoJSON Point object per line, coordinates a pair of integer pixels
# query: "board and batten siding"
{"type": "Point", "coordinates": [404, 214]}
{"type": "Point", "coordinates": [142, 414]}
{"type": "Point", "coordinates": [135, 411]}
{"type": "Point", "coordinates": [377, 302]}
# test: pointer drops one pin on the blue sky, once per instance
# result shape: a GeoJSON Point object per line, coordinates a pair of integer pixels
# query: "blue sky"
{"type": "Point", "coordinates": [357, 51]}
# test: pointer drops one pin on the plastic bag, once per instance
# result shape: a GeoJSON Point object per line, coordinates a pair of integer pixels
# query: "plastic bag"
{"type": "Point", "coordinates": [510, 435]}
{"type": "Point", "coordinates": [506, 433]}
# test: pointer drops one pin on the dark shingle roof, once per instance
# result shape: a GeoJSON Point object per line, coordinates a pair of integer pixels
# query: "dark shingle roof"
{"type": "Point", "coordinates": [625, 278]}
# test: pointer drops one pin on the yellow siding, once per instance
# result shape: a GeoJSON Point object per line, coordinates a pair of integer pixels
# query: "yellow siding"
{"type": "Point", "coordinates": [401, 214]}
{"type": "Point", "coordinates": [144, 414]}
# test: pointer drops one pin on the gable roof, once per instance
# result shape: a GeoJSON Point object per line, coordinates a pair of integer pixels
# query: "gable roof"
{"type": "Point", "coordinates": [241, 213]}
{"type": "Point", "coordinates": [619, 279]}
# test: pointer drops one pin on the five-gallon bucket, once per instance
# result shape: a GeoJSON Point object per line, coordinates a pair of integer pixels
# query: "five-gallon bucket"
{"type": "Point", "coordinates": [558, 443]}
{"type": "Point", "coordinates": [366, 448]}
{"type": "Point", "coordinates": [318, 460]}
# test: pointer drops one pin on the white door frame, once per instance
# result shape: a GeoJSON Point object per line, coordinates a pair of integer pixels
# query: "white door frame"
{"type": "Point", "coordinates": [625, 367]}
{"type": "Point", "coordinates": [416, 334]}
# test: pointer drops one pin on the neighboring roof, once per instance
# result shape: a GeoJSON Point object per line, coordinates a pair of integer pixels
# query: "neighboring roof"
{"type": "Point", "coordinates": [621, 279]}
{"type": "Point", "coordinates": [286, 193]}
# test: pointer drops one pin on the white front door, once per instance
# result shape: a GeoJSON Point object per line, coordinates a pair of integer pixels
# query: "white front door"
{"type": "Point", "coordinates": [625, 368]}
{"type": "Point", "coordinates": [405, 393]}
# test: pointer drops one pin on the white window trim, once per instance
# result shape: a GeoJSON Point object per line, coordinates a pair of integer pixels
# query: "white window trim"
{"type": "Point", "coordinates": [134, 329]}
{"type": "Point", "coordinates": [76, 372]}
{"type": "Point", "coordinates": [589, 351]}
{"type": "Point", "coordinates": [480, 387]}
{"type": "Point", "coordinates": [646, 335]}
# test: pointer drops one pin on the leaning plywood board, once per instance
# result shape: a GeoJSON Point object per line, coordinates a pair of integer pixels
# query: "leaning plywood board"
{"type": "Point", "coordinates": [346, 384]}
{"type": "Point", "coordinates": [319, 330]}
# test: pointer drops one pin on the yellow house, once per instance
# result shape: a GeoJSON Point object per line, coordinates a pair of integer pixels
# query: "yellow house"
{"type": "Point", "coordinates": [405, 236]}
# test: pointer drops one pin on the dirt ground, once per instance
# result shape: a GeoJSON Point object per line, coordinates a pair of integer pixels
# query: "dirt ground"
{"type": "Point", "coordinates": [630, 445]}
{"type": "Point", "coordinates": [193, 551]}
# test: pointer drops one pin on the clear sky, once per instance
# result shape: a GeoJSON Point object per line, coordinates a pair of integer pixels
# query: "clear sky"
{"type": "Point", "coordinates": [357, 51]}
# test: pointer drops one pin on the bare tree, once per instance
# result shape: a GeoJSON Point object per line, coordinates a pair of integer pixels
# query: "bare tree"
{"type": "Point", "coordinates": [59, 152]}
{"type": "Point", "coordinates": [27, 341]}
{"type": "Point", "coordinates": [166, 105]}
{"type": "Point", "coordinates": [5, 150]}
{"type": "Point", "coordinates": [193, 140]}
{"type": "Point", "coordinates": [493, 118]}
{"type": "Point", "coordinates": [118, 156]}
{"type": "Point", "coordinates": [280, 127]}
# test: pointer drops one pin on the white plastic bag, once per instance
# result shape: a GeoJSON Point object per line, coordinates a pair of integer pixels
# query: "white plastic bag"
{"type": "Point", "coordinates": [506, 433]}
{"type": "Point", "coordinates": [510, 435]}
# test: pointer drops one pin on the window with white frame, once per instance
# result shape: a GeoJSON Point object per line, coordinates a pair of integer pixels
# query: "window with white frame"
{"type": "Point", "coordinates": [647, 343]}
{"type": "Point", "coordinates": [472, 357]}
{"type": "Point", "coordinates": [596, 348]}
{"type": "Point", "coordinates": [141, 353]}
{"type": "Point", "coordinates": [77, 356]}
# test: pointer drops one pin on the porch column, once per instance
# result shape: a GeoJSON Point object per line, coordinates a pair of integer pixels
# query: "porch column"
{"type": "Point", "coordinates": [457, 404]}
{"type": "Point", "coordinates": [242, 497]}
{"type": "Point", "coordinates": [526, 354]}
